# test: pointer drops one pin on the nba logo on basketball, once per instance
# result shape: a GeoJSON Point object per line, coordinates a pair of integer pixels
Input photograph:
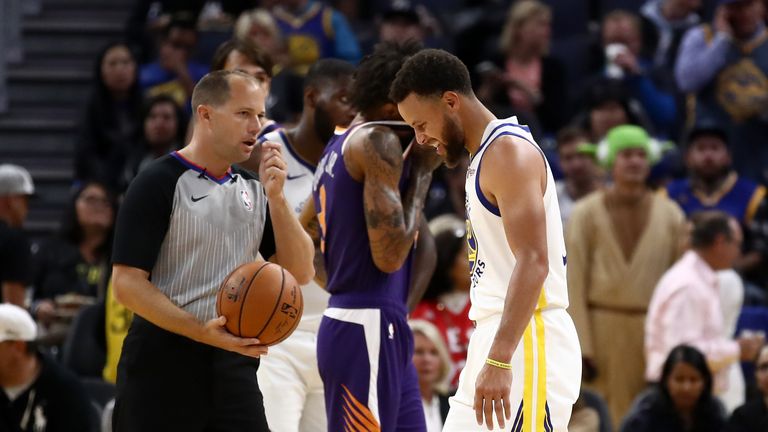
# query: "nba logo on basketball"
{"type": "Point", "coordinates": [246, 199]}
{"type": "Point", "coordinates": [289, 310]}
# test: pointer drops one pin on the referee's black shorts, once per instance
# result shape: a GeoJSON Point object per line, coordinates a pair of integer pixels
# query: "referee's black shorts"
{"type": "Point", "coordinates": [167, 382]}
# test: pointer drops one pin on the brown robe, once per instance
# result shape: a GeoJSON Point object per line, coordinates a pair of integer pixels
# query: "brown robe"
{"type": "Point", "coordinates": [609, 293]}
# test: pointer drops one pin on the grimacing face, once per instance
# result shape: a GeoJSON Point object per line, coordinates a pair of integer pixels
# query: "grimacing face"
{"type": "Point", "coordinates": [435, 124]}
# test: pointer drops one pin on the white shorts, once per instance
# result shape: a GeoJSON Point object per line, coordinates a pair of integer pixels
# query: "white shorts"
{"type": "Point", "coordinates": [546, 376]}
{"type": "Point", "coordinates": [291, 385]}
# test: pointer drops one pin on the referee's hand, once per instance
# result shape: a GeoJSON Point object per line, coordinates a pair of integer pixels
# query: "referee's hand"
{"type": "Point", "coordinates": [272, 169]}
{"type": "Point", "coordinates": [216, 335]}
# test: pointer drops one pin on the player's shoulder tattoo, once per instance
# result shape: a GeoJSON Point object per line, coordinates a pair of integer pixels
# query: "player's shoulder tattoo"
{"type": "Point", "coordinates": [382, 147]}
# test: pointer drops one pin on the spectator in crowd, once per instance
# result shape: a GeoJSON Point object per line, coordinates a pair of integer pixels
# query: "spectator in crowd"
{"type": "Point", "coordinates": [664, 24]}
{"type": "Point", "coordinates": [401, 22]}
{"type": "Point", "coordinates": [622, 44]}
{"type": "Point", "coordinates": [260, 28]}
{"type": "Point", "coordinates": [430, 357]}
{"type": "Point", "coordinates": [580, 171]}
{"type": "Point", "coordinates": [173, 72]}
{"type": "Point", "coordinates": [313, 31]}
{"type": "Point", "coordinates": [163, 130]}
{"type": "Point", "coordinates": [446, 301]}
{"type": "Point", "coordinates": [753, 416]}
{"type": "Point", "coordinates": [607, 104]}
{"type": "Point", "coordinates": [713, 184]}
{"type": "Point", "coordinates": [220, 15]}
{"type": "Point", "coordinates": [285, 89]}
{"type": "Point", "coordinates": [685, 307]}
{"type": "Point", "coordinates": [149, 18]}
{"type": "Point", "coordinates": [38, 394]}
{"type": "Point", "coordinates": [526, 81]}
{"type": "Point", "coordinates": [108, 128]}
{"type": "Point", "coordinates": [15, 189]}
{"type": "Point", "coordinates": [726, 66]}
{"type": "Point", "coordinates": [244, 55]}
{"type": "Point", "coordinates": [620, 241]}
{"type": "Point", "coordinates": [71, 269]}
{"type": "Point", "coordinates": [682, 401]}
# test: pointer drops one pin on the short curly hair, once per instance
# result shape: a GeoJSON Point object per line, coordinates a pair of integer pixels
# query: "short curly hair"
{"type": "Point", "coordinates": [375, 73]}
{"type": "Point", "coordinates": [431, 72]}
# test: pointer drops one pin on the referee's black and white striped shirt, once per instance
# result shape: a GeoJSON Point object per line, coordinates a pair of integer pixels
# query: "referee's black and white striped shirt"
{"type": "Point", "coordinates": [189, 229]}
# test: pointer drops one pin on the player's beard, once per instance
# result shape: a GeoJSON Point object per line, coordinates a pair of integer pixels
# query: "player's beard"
{"type": "Point", "coordinates": [324, 126]}
{"type": "Point", "coordinates": [453, 141]}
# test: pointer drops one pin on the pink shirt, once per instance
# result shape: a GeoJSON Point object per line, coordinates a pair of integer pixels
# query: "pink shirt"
{"type": "Point", "coordinates": [685, 309]}
{"type": "Point", "coordinates": [528, 75]}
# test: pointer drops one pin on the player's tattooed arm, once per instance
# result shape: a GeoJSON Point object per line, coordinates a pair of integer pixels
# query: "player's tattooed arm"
{"type": "Point", "coordinates": [392, 220]}
{"type": "Point", "coordinates": [309, 221]}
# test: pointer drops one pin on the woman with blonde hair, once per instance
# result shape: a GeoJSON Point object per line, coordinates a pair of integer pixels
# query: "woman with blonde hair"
{"type": "Point", "coordinates": [446, 301]}
{"type": "Point", "coordinates": [433, 367]}
{"type": "Point", "coordinates": [258, 27]}
{"type": "Point", "coordinates": [524, 79]}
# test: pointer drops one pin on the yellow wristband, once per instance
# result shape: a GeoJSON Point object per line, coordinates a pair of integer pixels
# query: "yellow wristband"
{"type": "Point", "coordinates": [498, 364]}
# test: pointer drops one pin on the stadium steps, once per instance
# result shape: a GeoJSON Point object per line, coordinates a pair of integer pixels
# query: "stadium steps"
{"type": "Point", "coordinates": [47, 93]}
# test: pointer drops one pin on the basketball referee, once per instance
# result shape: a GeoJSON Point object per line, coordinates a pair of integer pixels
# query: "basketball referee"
{"type": "Point", "coordinates": [186, 222]}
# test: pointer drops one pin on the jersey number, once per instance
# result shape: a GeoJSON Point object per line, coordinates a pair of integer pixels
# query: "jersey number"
{"type": "Point", "coordinates": [321, 218]}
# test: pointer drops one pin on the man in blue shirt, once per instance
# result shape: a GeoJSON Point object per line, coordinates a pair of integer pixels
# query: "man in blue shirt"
{"type": "Point", "coordinates": [173, 73]}
{"type": "Point", "coordinates": [725, 66]}
{"type": "Point", "coordinates": [313, 31]}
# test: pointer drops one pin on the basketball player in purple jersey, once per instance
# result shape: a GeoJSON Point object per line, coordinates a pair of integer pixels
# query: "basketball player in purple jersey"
{"type": "Point", "coordinates": [366, 212]}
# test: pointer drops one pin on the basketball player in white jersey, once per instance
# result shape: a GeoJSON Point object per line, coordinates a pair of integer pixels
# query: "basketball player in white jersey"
{"type": "Point", "coordinates": [524, 362]}
{"type": "Point", "coordinates": [288, 377]}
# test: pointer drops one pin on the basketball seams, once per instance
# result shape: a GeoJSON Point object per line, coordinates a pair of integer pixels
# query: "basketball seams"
{"type": "Point", "coordinates": [277, 303]}
{"type": "Point", "coordinates": [245, 297]}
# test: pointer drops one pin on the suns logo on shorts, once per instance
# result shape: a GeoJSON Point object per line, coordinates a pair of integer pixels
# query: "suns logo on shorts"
{"type": "Point", "coordinates": [247, 203]}
{"type": "Point", "coordinates": [471, 248]}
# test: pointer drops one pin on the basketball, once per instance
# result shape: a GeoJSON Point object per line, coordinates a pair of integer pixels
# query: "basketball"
{"type": "Point", "coordinates": [260, 300]}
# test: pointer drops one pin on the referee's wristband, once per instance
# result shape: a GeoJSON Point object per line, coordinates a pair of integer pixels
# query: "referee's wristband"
{"type": "Point", "coordinates": [498, 364]}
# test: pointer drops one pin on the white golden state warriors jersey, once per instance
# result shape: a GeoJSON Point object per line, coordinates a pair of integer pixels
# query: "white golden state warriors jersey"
{"type": "Point", "coordinates": [491, 262]}
{"type": "Point", "coordinates": [297, 189]}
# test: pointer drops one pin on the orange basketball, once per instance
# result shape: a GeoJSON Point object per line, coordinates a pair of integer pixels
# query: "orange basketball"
{"type": "Point", "coordinates": [260, 300]}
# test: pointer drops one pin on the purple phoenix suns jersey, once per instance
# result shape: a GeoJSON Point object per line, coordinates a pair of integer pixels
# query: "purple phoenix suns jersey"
{"type": "Point", "coordinates": [354, 281]}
